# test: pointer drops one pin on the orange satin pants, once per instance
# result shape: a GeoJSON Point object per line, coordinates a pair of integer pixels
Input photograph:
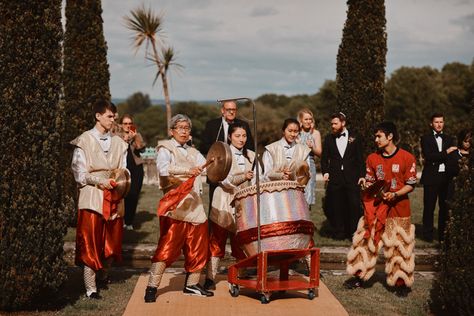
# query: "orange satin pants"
{"type": "Point", "coordinates": [177, 236]}
{"type": "Point", "coordinates": [97, 239]}
{"type": "Point", "coordinates": [218, 240]}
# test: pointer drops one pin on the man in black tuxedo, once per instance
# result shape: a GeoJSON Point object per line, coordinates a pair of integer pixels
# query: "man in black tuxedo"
{"type": "Point", "coordinates": [216, 130]}
{"type": "Point", "coordinates": [343, 169]}
{"type": "Point", "coordinates": [435, 147]}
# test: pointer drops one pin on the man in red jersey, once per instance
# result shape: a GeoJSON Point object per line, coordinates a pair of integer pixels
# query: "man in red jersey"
{"type": "Point", "coordinates": [386, 221]}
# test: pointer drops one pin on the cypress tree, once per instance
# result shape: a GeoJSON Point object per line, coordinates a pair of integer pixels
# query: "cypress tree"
{"type": "Point", "coordinates": [361, 66]}
{"type": "Point", "coordinates": [453, 291]}
{"type": "Point", "coordinates": [85, 75]}
{"type": "Point", "coordinates": [32, 220]}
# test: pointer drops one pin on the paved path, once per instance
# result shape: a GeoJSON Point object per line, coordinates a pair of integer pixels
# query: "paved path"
{"type": "Point", "coordinates": [171, 301]}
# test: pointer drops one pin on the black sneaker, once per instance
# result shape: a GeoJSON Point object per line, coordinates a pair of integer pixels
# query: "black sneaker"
{"type": "Point", "coordinates": [197, 290]}
{"type": "Point", "coordinates": [150, 294]}
{"type": "Point", "coordinates": [402, 291]}
{"type": "Point", "coordinates": [94, 296]}
{"type": "Point", "coordinates": [104, 283]}
{"type": "Point", "coordinates": [353, 283]}
{"type": "Point", "coordinates": [209, 284]}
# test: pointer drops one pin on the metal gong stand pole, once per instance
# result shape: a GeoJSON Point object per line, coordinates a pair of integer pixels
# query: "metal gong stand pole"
{"type": "Point", "coordinates": [257, 165]}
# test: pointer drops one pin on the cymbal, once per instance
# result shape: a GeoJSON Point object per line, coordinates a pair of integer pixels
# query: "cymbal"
{"type": "Point", "coordinates": [302, 172]}
{"type": "Point", "coordinates": [375, 191]}
{"type": "Point", "coordinates": [122, 179]}
{"type": "Point", "coordinates": [221, 157]}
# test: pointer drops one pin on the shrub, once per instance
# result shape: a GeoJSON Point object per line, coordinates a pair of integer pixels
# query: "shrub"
{"type": "Point", "coordinates": [453, 291]}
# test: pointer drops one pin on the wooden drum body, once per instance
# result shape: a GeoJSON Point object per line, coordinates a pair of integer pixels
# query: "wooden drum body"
{"type": "Point", "coordinates": [284, 217]}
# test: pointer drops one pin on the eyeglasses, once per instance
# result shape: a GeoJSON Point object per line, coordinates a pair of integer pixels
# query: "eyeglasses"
{"type": "Point", "coordinates": [230, 110]}
{"type": "Point", "coordinates": [182, 129]}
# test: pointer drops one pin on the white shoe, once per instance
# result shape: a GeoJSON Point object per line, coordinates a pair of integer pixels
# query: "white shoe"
{"type": "Point", "coordinates": [128, 227]}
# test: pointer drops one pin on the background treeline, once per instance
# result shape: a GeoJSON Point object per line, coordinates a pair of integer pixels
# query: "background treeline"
{"type": "Point", "coordinates": [412, 94]}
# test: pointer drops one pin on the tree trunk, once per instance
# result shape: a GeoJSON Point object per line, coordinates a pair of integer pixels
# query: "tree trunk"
{"type": "Point", "coordinates": [167, 98]}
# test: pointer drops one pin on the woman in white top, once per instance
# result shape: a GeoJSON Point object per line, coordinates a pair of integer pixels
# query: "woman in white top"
{"type": "Point", "coordinates": [310, 137]}
{"type": "Point", "coordinates": [222, 220]}
{"type": "Point", "coordinates": [282, 158]}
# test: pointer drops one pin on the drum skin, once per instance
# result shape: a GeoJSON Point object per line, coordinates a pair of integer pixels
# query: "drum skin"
{"type": "Point", "coordinates": [284, 217]}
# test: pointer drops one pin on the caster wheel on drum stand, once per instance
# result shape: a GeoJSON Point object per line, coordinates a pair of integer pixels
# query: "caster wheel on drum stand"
{"type": "Point", "coordinates": [312, 293]}
{"type": "Point", "coordinates": [265, 298]}
{"type": "Point", "coordinates": [234, 290]}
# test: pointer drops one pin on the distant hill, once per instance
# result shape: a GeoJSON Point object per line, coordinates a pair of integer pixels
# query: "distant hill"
{"type": "Point", "coordinates": [162, 102]}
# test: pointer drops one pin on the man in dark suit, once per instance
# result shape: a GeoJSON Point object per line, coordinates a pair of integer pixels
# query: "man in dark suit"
{"type": "Point", "coordinates": [216, 130]}
{"type": "Point", "coordinates": [343, 169]}
{"type": "Point", "coordinates": [435, 147]}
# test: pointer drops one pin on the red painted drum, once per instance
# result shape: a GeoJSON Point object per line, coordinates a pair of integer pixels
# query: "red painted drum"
{"type": "Point", "coordinates": [284, 217]}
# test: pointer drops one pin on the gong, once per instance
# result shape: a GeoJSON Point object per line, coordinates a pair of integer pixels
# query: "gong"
{"type": "Point", "coordinates": [219, 161]}
{"type": "Point", "coordinates": [375, 191]}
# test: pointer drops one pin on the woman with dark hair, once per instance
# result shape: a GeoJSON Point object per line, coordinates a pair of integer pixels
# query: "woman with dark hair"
{"type": "Point", "coordinates": [222, 218]}
{"type": "Point", "coordinates": [464, 139]}
{"type": "Point", "coordinates": [282, 158]}
{"type": "Point", "coordinates": [136, 146]}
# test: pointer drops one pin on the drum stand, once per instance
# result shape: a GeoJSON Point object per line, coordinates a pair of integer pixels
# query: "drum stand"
{"type": "Point", "coordinates": [282, 259]}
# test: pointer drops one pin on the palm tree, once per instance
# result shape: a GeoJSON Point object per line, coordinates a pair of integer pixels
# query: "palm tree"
{"type": "Point", "coordinates": [146, 26]}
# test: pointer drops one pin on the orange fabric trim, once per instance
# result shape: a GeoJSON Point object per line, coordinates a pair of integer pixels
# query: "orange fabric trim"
{"type": "Point", "coordinates": [275, 229]}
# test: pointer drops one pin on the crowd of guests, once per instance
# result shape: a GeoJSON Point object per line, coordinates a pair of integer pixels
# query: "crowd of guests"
{"type": "Point", "coordinates": [380, 219]}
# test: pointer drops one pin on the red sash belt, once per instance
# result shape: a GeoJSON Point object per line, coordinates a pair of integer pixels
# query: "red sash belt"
{"type": "Point", "coordinates": [110, 203]}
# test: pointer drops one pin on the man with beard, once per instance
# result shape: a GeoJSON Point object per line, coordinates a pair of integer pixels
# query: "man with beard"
{"type": "Point", "coordinates": [342, 165]}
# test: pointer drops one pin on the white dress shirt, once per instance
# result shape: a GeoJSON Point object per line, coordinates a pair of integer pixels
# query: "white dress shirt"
{"type": "Point", "coordinates": [439, 141]}
{"type": "Point", "coordinates": [341, 142]}
{"type": "Point", "coordinates": [225, 126]}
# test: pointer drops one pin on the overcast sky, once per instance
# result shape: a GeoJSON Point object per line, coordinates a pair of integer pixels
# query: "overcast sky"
{"type": "Point", "coordinates": [248, 48]}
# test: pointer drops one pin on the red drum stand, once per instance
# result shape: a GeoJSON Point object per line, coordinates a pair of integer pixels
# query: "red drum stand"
{"type": "Point", "coordinates": [266, 285]}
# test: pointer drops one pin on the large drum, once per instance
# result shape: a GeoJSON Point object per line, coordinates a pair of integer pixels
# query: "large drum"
{"type": "Point", "coordinates": [284, 217]}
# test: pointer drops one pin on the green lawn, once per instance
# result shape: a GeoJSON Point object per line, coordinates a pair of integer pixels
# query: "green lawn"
{"type": "Point", "coordinates": [146, 221]}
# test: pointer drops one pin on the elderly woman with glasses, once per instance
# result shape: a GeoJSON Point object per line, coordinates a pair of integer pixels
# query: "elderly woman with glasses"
{"type": "Point", "coordinates": [184, 228]}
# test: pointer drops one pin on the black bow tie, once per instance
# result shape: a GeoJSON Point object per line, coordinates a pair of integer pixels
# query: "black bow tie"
{"type": "Point", "coordinates": [103, 138]}
{"type": "Point", "coordinates": [287, 147]}
{"type": "Point", "coordinates": [341, 135]}
{"type": "Point", "coordinates": [438, 135]}
{"type": "Point", "coordinates": [238, 154]}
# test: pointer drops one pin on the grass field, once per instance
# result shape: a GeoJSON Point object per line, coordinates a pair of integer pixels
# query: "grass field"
{"type": "Point", "coordinates": [146, 221]}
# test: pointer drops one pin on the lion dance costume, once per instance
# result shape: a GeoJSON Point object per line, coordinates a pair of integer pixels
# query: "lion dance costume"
{"type": "Point", "coordinates": [386, 223]}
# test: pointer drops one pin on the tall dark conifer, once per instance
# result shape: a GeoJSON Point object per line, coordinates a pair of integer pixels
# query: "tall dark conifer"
{"type": "Point", "coordinates": [453, 290]}
{"type": "Point", "coordinates": [361, 66]}
{"type": "Point", "coordinates": [86, 72]}
{"type": "Point", "coordinates": [32, 220]}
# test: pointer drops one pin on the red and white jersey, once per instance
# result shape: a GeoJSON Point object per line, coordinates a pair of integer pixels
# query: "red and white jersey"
{"type": "Point", "coordinates": [396, 170]}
